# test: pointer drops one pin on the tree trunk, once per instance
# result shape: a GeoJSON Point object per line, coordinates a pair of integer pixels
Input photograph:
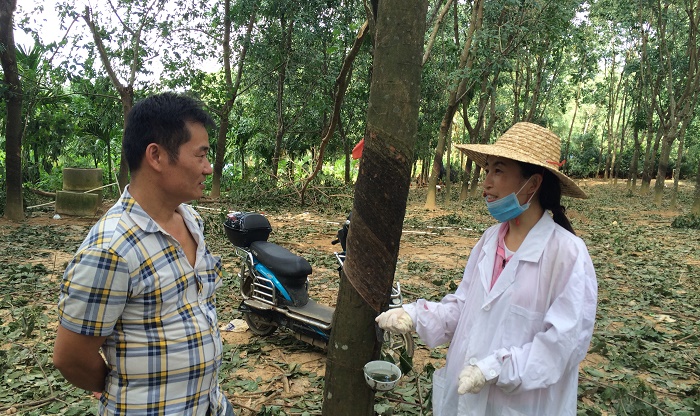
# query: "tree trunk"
{"type": "Point", "coordinates": [346, 151]}
{"type": "Point", "coordinates": [126, 89]}
{"type": "Point", "coordinates": [663, 168]}
{"type": "Point", "coordinates": [649, 158]}
{"type": "Point", "coordinates": [465, 61]}
{"type": "Point", "coordinates": [375, 232]}
{"type": "Point", "coordinates": [14, 209]}
{"type": "Point", "coordinates": [567, 145]}
{"type": "Point", "coordinates": [600, 155]}
{"type": "Point", "coordinates": [232, 89]}
{"type": "Point", "coordinates": [127, 98]}
{"type": "Point", "coordinates": [696, 199]}
{"type": "Point", "coordinates": [677, 170]}
{"type": "Point", "coordinates": [632, 178]}
{"type": "Point", "coordinates": [448, 167]}
{"type": "Point", "coordinates": [340, 87]}
{"type": "Point", "coordinates": [466, 175]}
{"type": "Point", "coordinates": [285, 48]}
{"type": "Point", "coordinates": [474, 187]}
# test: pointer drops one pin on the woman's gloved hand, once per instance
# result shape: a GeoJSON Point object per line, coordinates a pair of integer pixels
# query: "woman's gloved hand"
{"type": "Point", "coordinates": [395, 320]}
{"type": "Point", "coordinates": [471, 380]}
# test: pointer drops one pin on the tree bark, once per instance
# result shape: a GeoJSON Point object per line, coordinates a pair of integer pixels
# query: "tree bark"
{"type": "Point", "coordinates": [232, 89]}
{"type": "Point", "coordinates": [285, 50]}
{"type": "Point", "coordinates": [341, 86]}
{"type": "Point", "coordinates": [696, 198]}
{"type": "Point", "coordinates": [379, 207]}
{"type": "Point", "coordinates": [466, 60]}
{"type": "Point", "coordinates": [677, 170]}
{"type": "Point", "coordinates": [682, 94]}
{"type": "Point", "coordinates": [125, 89]}
{"type": "Point", "coordinates": [14, 209]}
{"type": "Point", "coordinates": [567, 145]}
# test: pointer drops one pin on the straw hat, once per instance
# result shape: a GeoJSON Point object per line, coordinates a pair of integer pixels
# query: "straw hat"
{"type": "Point", "coordinates": [529, 143]}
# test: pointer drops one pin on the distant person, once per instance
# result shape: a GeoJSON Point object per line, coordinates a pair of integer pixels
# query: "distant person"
{"type": "Point", "coordinates": [140, 290]}
{"type": "Point", "coordinates": [522, 318]}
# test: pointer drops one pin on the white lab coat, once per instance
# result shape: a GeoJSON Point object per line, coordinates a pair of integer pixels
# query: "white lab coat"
{"type": "Point", "coordinates": [528, 334]}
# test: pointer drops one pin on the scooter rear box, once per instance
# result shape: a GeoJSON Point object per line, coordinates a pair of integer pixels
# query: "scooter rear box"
{"type": "Point", "coordinates": [243, 228]}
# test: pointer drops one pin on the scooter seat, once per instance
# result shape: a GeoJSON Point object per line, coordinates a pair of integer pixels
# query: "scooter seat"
{"type": "Point", "coordinates": [281, 261]}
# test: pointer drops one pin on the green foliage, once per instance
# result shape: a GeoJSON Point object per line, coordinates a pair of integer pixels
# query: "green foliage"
{"type": "Point", "coordinates": [583, 158]}
{"type": "Point", "coordinates": [686, 221]}
{"type": "Point", "coordinates": [641, 359]}
{"type": "Point", "coordinates": [50, 181]}
{"type": "Point", "coordinates": [266, 195]}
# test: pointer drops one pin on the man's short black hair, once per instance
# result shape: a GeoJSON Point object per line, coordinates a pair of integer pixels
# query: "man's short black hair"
{"type": "Point", "coordinates": [161, 119]}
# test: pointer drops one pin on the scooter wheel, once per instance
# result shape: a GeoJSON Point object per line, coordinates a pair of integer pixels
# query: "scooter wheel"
{"type": "Point", "coordinates": [259, 325]}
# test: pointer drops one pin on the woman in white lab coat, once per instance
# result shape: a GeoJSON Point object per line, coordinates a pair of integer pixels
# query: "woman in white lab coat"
{"type": "Point", "coordinates": [522, 318]}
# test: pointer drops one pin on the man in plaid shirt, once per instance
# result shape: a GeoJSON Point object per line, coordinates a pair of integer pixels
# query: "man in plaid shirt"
{"type": "Point", "coordinates": [137, 313]}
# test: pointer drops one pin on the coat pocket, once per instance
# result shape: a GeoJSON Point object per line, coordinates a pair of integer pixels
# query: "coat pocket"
{"type": "Point", "coordinates": [521, 326]}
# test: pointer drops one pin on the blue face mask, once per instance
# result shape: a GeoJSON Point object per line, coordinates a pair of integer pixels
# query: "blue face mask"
{"type": "Point", "coordinates": [506, 208]}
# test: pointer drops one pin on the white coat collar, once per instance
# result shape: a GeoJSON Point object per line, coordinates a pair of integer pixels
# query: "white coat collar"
{"type": "Point", "coordinates": [530, 250]}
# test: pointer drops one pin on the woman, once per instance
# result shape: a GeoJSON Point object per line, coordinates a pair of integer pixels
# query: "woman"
{"type": "Point", "coordinates": [522, 319]}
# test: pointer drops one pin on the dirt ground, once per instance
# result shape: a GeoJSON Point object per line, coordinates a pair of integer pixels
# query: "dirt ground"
{"type": "Point", "coordinates": [434, 249]}
{"type": "Point", "coordinates": [305, 233]}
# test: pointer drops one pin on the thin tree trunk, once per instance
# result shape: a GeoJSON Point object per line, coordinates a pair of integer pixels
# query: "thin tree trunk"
{"type": "Point", "coordinates": [125, 89]}
{"type": "Point", "coordinates": [466, 60]}
{"type": "Point", "coordinates": [232, 89]}
{"type": "Point", "coordinates": [600, 155]}
{"type": "Point", "coordinates": [346, 150]}
{"type": "Point", "coordinates": [677, 170]}
{"type": "Point", "coordinates": [567, 146]}
{"type": "Point", "coordinates": [341, 86]}
{"type": "Point", "coordinates": [696, 198]}
{"type": "Point", "coordinates": [436, 27]}
{"type": "Point", "coordinates": [664, 157]}
{"type": "Point", "coordinates": [448, 167]}
{"type": "Point", "coordinates": [377, 216]}
{"type": "Point", "coordinates": [285, 48]}
{"type": "Point", "coordinates": [649, 157]}
{"type": "Point", "coordinates": [620, 130]}
{"type": "Point", "coordinates": [632, 177]}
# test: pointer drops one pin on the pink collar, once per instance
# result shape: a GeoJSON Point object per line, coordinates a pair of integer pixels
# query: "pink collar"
{"type": "Point", "coordinates": [501, 259]}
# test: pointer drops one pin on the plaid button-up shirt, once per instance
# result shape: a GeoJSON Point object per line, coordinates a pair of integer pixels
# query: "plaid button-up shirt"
{"type": "Point", "coordinates": [130, 281]}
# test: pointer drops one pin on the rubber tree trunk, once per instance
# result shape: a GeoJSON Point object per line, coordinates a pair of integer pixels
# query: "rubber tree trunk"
{"type": "Point", "coordinates": [665, 156]}
{"type": "Point", "coordinates": [696, 196]}
{"type": "Point", "coordinates": [379, 206]}
{"type": "Point", "coordinates": [14, 209]}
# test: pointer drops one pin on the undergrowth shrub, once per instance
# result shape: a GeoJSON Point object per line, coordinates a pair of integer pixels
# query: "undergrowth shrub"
{"type": "Point", "coordinates": [687, 221]}
{"type": "Point", "coordinates": [327, 195]}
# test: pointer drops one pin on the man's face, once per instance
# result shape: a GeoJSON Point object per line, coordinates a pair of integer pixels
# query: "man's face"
{"type": "Point", "coordinates": [184, 178]}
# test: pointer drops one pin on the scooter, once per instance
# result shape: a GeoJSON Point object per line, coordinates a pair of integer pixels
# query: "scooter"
{"type": "Point", "coordinates": [274, 284]}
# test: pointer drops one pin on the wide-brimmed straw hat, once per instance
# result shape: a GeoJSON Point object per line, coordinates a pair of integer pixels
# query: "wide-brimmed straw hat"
{"type": "Point", "coordinates": [529, 143]}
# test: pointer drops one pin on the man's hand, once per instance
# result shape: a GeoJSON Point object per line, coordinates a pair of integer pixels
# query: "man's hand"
{"type": "Point", "coordinates": [395, 320]}
{"type": "Point", "coordinates": [471, 380]}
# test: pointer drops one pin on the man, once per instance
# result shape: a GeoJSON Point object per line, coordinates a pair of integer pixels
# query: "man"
{"type": "Point", "coordinates": [138, 323]}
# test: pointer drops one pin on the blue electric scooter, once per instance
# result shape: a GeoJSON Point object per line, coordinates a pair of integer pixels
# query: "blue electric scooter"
{"type": "Point", "coordinates": [274, 284]}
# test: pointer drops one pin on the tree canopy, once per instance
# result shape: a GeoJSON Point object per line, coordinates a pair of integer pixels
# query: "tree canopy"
{"type": "Point", "coordinates": [617, 81]}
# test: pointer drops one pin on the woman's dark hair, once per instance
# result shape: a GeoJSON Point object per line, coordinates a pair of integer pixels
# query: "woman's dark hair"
{"type": "Point", "coordinates": [550, 193]}
{"type": "Point", "coordinates": [161, 119]}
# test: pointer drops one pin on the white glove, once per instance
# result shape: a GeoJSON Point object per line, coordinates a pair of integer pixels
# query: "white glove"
{"type": "Point", "coordinates": [395, 320]}
{"type": "Point", "coordinates": [471, 380]}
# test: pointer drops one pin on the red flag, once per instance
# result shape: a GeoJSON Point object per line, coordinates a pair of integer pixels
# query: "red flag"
{"type": "Point", "coordinates": [357, 150]}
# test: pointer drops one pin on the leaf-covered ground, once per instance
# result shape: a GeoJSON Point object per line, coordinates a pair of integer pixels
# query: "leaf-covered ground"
{"type": "Point", "coordinates": [644, 358]}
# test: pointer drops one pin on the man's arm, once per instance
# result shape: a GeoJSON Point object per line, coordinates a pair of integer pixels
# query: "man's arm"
{"type": "Point", "coordinates": [78, 358]}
